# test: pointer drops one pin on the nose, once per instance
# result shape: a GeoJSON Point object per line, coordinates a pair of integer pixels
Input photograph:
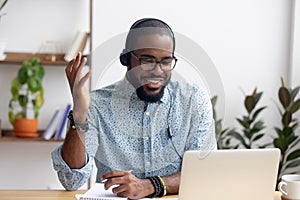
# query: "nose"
{"type": "Point", "coordinates": [157, 69]}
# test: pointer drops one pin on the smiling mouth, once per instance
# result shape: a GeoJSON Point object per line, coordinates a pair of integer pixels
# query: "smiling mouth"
{"type": "Point", "coordinates": [153, 84]}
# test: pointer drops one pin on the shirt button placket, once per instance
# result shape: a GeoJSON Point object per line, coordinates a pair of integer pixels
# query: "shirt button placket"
{"type": "Point", "coordinates": [146, 139]}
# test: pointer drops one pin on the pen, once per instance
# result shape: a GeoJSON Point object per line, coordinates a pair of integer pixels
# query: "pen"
{"type": "Point", "coordinates": [105, 180]}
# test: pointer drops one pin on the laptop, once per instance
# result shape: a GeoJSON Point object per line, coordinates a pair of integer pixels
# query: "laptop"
{"type": "Point", "coordinates": [240, 174]}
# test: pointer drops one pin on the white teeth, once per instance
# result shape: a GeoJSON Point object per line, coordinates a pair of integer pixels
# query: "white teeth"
{"type": "Point", "coordinates": [153, 81]}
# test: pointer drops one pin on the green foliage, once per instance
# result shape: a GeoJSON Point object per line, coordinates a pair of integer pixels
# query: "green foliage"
{"type": "Point", "coordinates": [27, 90]}
{"type": "Point", "coordinates": [223, 139]}
{"type": "Point", "coordinates": [251, 126]}
{"type": "Point", "coordinates": [2, 6]}
{"type": "Point", "coordinates": [286, 139]}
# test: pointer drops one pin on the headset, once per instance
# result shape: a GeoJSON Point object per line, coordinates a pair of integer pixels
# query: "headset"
{"type": "Point", "coordinates": [125, 56]}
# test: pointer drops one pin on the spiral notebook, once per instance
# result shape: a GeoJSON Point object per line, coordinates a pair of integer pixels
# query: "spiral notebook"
{"type": "Point", "coordinates": [97, 192]}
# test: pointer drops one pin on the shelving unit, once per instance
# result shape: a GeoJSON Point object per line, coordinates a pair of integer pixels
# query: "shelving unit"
{"type": "Point", "coordinates": [56, 60]}
{"type": "Point", "coordinates": [46, 59]}
{"type": "Point", "coordinates": [8, 136]}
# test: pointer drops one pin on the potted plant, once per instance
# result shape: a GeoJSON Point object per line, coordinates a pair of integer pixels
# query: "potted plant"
{"type": "Point", "coordinates": [252, 127]}
{"type": "Point", "coordinates": [286, 138]}
{"type": "Point", "coordinates": [27, 98]}
{"type": "Point", "coordinates": [222, 136]}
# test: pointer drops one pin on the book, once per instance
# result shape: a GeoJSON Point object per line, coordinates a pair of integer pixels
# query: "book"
{"type": "Point", "coordinates": [62, 122]}
{"type": "Point", "coordinates": [64, 131]}
{"type": "Point", "coordinates": [97, 192]}
{"type": "Point", "coordinates": [51, 127]}
{"type": "Point", "coordinates": [77, 45]}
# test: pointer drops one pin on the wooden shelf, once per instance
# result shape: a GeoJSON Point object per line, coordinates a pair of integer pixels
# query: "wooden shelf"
{"type": "Point", "coordinates": [46, 59]}
{"type": "Point", "coordinates": [9, 136]}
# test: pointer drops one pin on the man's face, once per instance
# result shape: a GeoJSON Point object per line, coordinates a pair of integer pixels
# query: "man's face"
{"type": "Point", "coordinates": [150, 83]}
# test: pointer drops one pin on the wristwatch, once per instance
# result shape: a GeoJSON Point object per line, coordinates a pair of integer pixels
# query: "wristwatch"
{"type": "Point", "coordinates": [82, 127]}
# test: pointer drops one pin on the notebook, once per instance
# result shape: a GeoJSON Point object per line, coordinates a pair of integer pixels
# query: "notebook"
{"type": "Point", "coordinates": [241, 174]}
{"type": "Point", "coordinates": [97, 192]}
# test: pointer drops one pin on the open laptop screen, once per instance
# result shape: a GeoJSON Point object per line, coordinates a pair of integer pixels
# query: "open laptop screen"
{"type": "Point", "coordinates": [240, 174]}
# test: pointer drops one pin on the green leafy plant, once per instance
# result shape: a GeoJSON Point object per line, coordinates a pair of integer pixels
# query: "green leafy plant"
{"type": "Point", "coordinates": [223, 139]}
{"type": "Point", "coordinates": [251, 126]}
{"type": "Point", "coordinates": [27, 90]}
{"type": "Point", "coordinates": [1, 7]}
{"type": "Point", "coordinates": [286, 139]}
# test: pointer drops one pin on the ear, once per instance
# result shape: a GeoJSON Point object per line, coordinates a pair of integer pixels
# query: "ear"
{"type": "Point", "coordinates": [125, 57]}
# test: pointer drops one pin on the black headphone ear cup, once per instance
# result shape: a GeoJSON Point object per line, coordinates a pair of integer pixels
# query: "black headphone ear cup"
{"type": "Point", "coordinates": [125, 57]}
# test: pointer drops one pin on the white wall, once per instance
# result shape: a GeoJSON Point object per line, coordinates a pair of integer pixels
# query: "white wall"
{"type": "Point", "coordinates": [27, 165]}
{"type": "Point", "coordinates": [295, 51]}
{"type": "Point", "coordinates": [295, 58]}
{"type": "Point", "coordinates": [248, 41]}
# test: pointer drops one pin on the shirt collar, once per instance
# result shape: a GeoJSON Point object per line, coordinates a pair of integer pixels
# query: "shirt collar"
{"type": "Point", "coordinates": [166, 96]}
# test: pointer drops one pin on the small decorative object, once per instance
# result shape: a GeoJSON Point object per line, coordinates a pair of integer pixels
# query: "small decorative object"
{"type": "Point", "coordinates": [27, 98]}
{"type": "Point", "coordinates": [2, 49]}
{"type": "Point", "coordinates": [50, 49]}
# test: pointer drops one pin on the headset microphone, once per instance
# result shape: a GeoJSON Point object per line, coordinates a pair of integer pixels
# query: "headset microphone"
{"type": "Point", "coordinates": [170, 132]}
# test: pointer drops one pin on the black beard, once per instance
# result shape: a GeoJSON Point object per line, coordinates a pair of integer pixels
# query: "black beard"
{"type": "Point", "coordinates": [149, 98]}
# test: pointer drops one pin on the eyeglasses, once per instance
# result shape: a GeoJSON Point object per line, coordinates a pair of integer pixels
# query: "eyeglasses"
{"type": "Point", "coordinates": [149, 64]}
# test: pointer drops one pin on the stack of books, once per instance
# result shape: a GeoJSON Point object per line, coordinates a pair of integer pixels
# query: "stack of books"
{"type": "Point", "coordinates": [57, 126]}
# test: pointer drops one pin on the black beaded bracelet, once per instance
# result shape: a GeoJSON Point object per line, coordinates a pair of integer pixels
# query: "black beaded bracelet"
{"type": "Point", "coordinates": [156, 187]}
{"type": "Point", "coordinates": [159, 188]}
{"type": "Point", "coordinates": [82, 127]}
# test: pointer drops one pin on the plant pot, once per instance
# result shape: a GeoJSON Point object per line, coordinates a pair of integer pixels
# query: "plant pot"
{"type": "Point", "coordinates": [24, 127]}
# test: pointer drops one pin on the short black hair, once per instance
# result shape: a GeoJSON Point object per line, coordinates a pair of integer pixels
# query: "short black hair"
{"type": "Point", "coordinates": [147, 26]}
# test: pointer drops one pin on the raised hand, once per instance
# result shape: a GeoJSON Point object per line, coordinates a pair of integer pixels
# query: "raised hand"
{"type": "Point", "coordinates": [80, 94]}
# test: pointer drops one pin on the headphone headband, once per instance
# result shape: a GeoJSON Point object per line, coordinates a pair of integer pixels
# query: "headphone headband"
{"type": "Point", "coordinates": [125, 55]}
{"type": "Point", "coordinates": [143, 20]}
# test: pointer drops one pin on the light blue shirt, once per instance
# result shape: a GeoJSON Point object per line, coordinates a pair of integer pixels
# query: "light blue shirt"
{"type": "Point", "coordinates": [129, 134]}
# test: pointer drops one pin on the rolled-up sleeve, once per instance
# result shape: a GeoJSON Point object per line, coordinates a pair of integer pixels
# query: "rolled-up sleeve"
{"type": "Point", "coordinates": [71, 179]}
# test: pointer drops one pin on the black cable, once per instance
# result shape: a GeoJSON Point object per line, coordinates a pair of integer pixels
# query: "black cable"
{"type": "Point", "coordinates": [171, 138]}
{"type": "Point", "coordinates": [170, 134]}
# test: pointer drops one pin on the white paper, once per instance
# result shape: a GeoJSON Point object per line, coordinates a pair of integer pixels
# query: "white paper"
{"type": "Point", "coordinates": [97, 192]}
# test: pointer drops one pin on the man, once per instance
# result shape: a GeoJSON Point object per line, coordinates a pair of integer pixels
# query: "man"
{"type": "Point", "coordinates": [138, 128]}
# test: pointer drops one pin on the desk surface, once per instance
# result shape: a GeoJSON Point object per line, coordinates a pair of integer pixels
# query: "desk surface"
{"type": "Point", "coordinates": [56, 195]}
